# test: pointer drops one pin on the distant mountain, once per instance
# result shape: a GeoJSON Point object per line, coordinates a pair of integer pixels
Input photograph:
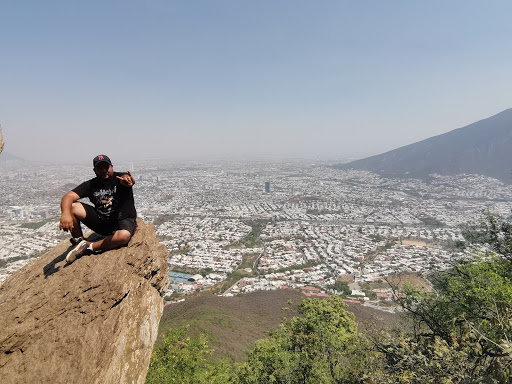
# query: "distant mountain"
{"type": "Point", "coordinates": [6, 157]}
{"type": "Point", "coordinates": [1, 140]}
{"type": "Point", "coordinates": [484, 148]}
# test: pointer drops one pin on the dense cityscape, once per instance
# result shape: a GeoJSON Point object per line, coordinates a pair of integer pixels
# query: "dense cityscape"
{"type": "Point", "coordinates": [236, 227]}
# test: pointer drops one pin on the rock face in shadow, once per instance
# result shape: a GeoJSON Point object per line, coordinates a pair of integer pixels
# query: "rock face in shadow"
{"type": "Point", "coordinates": [92, 321]}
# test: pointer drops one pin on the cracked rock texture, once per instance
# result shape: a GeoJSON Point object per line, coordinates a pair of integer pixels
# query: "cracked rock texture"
{"type": "Point", "coordinates": [93, 321]}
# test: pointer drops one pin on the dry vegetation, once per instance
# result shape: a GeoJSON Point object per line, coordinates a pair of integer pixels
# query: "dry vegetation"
{"type": "Point", "coordinates": [400, 279]}
{"type": "Point", "coordinates": [417, 243]}
{"type": "Point", "coordinates": [233, 324]}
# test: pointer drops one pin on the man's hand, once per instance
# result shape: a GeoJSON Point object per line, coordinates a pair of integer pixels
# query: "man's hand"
{"type": "Point", "coordinates": [127, 180]}
{"type": "Point", "coordinates": [66, 222]}
{"type": "Point", "coordinates": [66, 204]}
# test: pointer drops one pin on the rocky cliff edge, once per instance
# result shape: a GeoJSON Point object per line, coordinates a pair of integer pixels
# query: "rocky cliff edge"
{"type": "Point", "coordinates": [92, 321]}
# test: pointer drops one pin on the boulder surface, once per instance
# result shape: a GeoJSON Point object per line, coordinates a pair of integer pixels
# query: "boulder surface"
{"type": "Point", "coordinates": [92, 321]}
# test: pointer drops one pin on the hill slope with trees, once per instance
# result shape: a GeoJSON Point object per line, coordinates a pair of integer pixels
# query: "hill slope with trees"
{"type": "Point", "coordinates": [461, 332]}
{"type": "Point", "coordinates": [233, 324]}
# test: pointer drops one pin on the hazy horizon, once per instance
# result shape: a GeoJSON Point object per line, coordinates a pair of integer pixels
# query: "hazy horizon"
{"type": "Point", "coordinates": [204, 80]}
{"type": "Point", "coordinates": [120, 163]}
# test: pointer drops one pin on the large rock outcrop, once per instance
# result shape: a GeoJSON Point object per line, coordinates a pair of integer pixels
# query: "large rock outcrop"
{"type": "Point", "coordinates": [93, 321]}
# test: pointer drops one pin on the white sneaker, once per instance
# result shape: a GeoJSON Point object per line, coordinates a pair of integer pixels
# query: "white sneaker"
{"type": "Point", "coordinates": [80, 250]}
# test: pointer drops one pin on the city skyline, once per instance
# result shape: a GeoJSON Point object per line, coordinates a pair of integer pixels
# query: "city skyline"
{"type": "Point", "coordinates": [202, 79]}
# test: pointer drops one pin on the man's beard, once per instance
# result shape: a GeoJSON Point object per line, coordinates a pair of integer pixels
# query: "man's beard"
{"type": "Point", "coordinates": [106, 181]}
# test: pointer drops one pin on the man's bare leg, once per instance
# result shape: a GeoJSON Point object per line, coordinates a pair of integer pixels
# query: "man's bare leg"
{"type": "Point", "coordinates": [78, 212]}
{"type": "Point", "coordinates": [117, 240]}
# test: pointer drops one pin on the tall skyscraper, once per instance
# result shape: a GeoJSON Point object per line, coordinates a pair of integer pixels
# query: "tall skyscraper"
{"type": "Point", "coordinates": [267, 186]}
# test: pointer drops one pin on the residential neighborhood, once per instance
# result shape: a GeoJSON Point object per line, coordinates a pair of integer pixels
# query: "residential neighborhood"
{"type": "Point", "coordinates": [271, 224]}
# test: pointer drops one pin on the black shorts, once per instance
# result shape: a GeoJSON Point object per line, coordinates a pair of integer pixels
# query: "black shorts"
{"type": "Point", "coordinates": [106, 228]}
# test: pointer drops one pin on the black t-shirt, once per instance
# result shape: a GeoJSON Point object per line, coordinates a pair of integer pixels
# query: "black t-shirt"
{"type": "Point", "coordinates": [112, 200]}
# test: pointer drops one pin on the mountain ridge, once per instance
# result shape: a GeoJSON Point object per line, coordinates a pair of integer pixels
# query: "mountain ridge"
{"type": "Point", "coordinates": [478, 148]}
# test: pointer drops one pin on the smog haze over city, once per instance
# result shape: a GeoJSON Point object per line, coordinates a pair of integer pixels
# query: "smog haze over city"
{"type": "Point", "coordinates": [229, 115]}
{"type": "Point", "coordinates": [236, 79]}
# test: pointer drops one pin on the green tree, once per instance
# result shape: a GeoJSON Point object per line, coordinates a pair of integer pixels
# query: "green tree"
{"type": "Point", "coordinates": [322, 346]}
{"type": "Point", "coordinates": [462, 331]}
{"type": "Point", "coordinates": [493, 231]}
{"type": "Point", "coordinates": [341, 287]}
{"type": "Point", "coordinates": [181, 359]}
{"type": "Point", "coordinates": [370, 294]}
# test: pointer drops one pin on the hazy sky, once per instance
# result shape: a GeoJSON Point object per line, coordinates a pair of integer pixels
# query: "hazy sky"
{"type": "Point", "coordinates": [173, 78]}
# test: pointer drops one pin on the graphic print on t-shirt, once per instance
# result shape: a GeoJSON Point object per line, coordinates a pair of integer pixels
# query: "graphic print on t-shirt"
{"type": "Point", "coordinates": [105, 201]}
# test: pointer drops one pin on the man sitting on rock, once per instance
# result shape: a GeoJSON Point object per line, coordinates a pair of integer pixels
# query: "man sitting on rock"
{"type": "Point", "coordinates": [113, 214]}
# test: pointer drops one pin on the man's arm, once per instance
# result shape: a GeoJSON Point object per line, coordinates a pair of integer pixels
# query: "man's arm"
{"type": "Point", "coordinates": [126, 180]}
{"type": "Point", "coordinates": [66, 218]}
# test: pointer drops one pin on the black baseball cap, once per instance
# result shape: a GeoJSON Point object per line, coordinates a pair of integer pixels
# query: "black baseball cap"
{"type": "Point", "coordinates": [101, 159]}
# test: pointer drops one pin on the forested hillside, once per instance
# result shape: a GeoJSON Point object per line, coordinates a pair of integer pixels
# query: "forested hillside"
{"type": "Point", "coordinates": [461, 332]}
